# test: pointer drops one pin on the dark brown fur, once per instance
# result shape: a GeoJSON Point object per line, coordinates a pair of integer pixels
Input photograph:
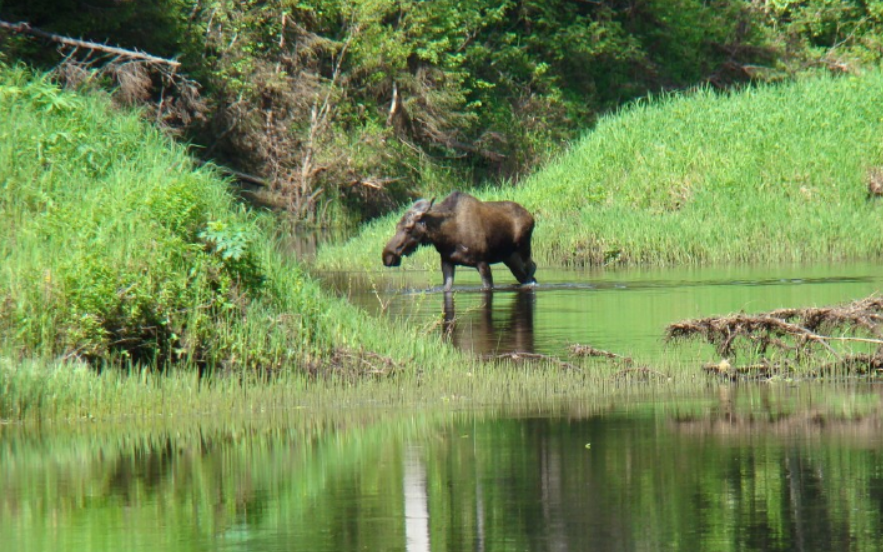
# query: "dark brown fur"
{"type": "Point", "coordinates": [467, 232]}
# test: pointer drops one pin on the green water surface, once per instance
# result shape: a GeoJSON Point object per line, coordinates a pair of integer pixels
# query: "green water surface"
{"type": "Point", "coordinates": [621, 311]}
{"type": "Point", "coordinates": [759, 468]}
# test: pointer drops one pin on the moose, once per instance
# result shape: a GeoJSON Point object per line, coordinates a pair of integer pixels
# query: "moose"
{"type": "Point", "coordinates": [467, 232]}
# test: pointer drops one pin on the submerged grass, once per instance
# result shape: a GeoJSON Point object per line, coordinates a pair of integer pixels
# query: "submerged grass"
{"type": "Point", "coordinates": [769, 174]}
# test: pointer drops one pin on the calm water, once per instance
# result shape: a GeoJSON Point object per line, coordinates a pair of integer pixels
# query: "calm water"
{"type": "Point", "coordinates": [624, 312]}
{"type": "Point", "coordinates": [741, 469]}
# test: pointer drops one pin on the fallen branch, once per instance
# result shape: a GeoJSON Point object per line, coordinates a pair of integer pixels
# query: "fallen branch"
{"type": "Point", "coordinates": [722, 332]}
{"type": "Point", "coordinates": [25, 28]}
{"type": "Point", "coordinates": [587, 350]}
{"type": "Point", "coordinates": [761, 369]}
{"type": "Point", "coordinates": [791, 333]}
{"type": "Point", "coordinates": [375, 364]}
{"type": "Point", "coordinates": [518, 356]}
{"type": "Point", "coordinates": [642, 370]}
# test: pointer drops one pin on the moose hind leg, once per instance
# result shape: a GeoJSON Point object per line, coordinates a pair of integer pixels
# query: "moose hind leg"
{"type": "Point", "coordinates": [523, 271]}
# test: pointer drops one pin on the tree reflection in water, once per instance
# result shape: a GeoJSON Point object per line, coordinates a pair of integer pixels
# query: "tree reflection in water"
{"type": "Point", "coordinates": [744, 469]}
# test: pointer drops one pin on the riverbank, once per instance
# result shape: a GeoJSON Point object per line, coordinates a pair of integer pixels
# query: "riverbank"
{"type": "Point", "coordinates": [119, 255]}
{"type": "Point", "coordinates": [134, 284]}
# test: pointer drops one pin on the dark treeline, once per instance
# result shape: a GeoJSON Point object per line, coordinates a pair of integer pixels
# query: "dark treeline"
{"type": "Point", "coordinates": [343, 109]}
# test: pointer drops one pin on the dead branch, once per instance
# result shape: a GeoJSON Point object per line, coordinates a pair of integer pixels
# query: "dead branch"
{"type": "Point", "coordinates": [790, 332]}
{"type": "Point", "coordinates": [587, 350]}
{"type": "Point", "coordinates": [641, 370]}
{"type": "Point", "coordinates": [519, 356]}
{"type": "Point", "coordinates": [374, 183]}
{"type": "Point", "coordinates": [373, 364]}
{"type": "Point", "coordinates": [244, 177]}
{"type": "Point", "coordinates": [25, 28]}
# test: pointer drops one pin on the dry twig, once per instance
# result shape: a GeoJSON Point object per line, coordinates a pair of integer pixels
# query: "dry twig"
{"type": "Point", "coordinates": [587, 350]}
{"type": "Point", "coordinates": [519, 356]}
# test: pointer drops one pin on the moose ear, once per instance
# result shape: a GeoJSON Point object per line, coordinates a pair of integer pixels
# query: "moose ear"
{"type": "Point", "coordinates": [422, 206]}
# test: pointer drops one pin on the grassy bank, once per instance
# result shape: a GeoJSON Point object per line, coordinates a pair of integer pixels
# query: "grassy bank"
{"type": "Point", "coordinates": [126, 271]}
{"type": "Point", "coordinates": [767, 175]}
{"type": "Point", "coordinates": [117, 253]}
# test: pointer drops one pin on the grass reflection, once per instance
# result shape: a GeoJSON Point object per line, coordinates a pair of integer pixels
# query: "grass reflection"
{"type": "Point", "coordinates": [702, 470]}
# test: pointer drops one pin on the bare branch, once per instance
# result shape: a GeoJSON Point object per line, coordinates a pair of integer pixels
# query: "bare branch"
{"type": "Point", "coordinates": [25, 28]}
{"type": "Point", "coordinates": [518, 356]}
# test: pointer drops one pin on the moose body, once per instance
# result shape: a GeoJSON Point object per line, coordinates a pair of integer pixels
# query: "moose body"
{"type": "Point", "coordinates": [468, 232]}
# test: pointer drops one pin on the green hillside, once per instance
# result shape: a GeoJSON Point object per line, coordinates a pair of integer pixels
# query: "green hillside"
{"type": "Point", "coordinates": [771, 174]}
{"type": "Point", "coordinates": [116, 250]}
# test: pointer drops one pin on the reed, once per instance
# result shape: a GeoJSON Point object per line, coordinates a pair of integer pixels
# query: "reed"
{"type": "Point", "coordinates": [770, 174]}
{"type": "Point", "coordinates": [54, 392]}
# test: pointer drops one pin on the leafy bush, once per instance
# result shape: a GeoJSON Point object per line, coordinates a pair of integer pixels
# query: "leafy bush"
{"type": "Point", "coordinates": [112, 232]}
{"type": "Point", "coordinates": [117, 251]}
{"type": "Point", "coordinates": [347, 108]}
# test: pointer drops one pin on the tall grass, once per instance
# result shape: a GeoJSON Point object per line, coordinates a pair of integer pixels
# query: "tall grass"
{"type": "Point", "coordinates": [54, 391]}
{"type": "Point", "coordinates": [118, 253]}
{"type": "Point", "coordinates": [768, 174]}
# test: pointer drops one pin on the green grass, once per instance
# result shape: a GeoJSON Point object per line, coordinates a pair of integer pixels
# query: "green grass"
{"type": "Point", "coordinates": [120, 258]}
{"type": "Point", "coordinates": [68, 391]}
{"type": "Point", "coordinates": [770, 174]}
{"type": "Point", "coordinates": [117, 252]}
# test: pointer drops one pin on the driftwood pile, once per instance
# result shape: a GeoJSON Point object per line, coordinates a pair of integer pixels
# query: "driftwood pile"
{"type": "Point", "coordinates": [825, 337]}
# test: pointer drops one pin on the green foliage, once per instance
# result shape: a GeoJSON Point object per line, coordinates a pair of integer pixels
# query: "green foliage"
{"type": "Point", "coordinates": [348, 103]}
{"type": "Point", "coordinates": [232, 243]}
{"type": "Point", "coordinates": [351, 108]}
{"type": "Point", "coordinates": [841, 36]}
{"type": "Point", "coordinates": [117, 252]}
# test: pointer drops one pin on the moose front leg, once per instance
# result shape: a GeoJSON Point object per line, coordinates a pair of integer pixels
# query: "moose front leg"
{"type": "Point", "coordinates": [448, 274]}
{"type": "Point", "coordinates": [487, 279]}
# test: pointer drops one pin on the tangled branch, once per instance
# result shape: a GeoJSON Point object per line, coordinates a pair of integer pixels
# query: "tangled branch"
{"type": "Point", "coordinates": [140, 77]}
{"type": "Point", "coordinates": [25, 28]}
{"type": "Point", "coordinates": [793, 332]}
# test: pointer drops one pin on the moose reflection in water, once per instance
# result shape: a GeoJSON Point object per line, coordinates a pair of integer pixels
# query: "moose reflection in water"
{"type": "Point", "coordinates": [476, 330]}
{"type": "Point", "coordinates": [467, 232]}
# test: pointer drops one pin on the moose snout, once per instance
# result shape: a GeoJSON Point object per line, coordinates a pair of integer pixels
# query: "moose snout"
{"type": "Point", "coordinates": [391, 259]}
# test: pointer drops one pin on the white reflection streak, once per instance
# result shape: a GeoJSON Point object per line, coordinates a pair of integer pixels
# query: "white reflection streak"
{"type": "Point", "coordinates": [416, 502]}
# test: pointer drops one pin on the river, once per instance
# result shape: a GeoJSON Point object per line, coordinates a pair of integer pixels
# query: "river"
{"type": "Point", "coordinates": [621, 311]}
{"type": "Point", "coordinates": [741, 467]}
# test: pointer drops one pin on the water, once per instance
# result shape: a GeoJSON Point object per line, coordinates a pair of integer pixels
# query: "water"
{"type": "Point", "coordinates": [740, 469]}
{"type": "Point", "coordinates": [624, 312]}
